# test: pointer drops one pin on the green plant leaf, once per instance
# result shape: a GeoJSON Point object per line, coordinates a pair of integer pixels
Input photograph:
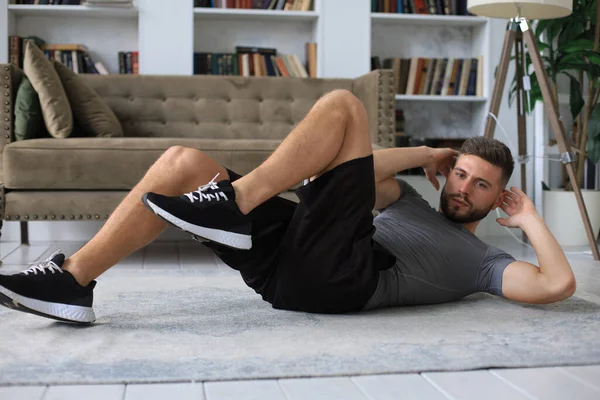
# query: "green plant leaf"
{"type": "Point", "coordinates": [542, 46]}
{"type": "Point", "coordinates": [593, 70]}
{"type": "Point", "coordinates": [576, 45]}
{"type": "Point", "coordinates": [540, 28]}
{"type": "Point", "coordinates": [576, 101]}
{"type": "Point", "coordinates": [593, 145]}
{"type": "Point", "coordinates": [571, 32]}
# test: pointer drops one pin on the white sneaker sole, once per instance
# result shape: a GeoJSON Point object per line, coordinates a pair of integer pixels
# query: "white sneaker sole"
{"type": "Point", "coordinates": [231, 239]}
{"type": "Point", "coordinates": [63, 312]}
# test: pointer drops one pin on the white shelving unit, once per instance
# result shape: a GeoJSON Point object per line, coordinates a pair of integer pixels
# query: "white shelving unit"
{"type": "Point", "coordinates": [75, 24]}
{"type": "Point", "coordinates": [21, 10]}
{"type": "Point", "coordinates": [204, 14]}
{"type": "Point", "coordinates": [436, 20]}
{"type": "Point", "coordinates": [436, 36]}
{"type": "Point", "coordinates": [465, 99]}
{"type": "Point", "coordinates": [286, 31]}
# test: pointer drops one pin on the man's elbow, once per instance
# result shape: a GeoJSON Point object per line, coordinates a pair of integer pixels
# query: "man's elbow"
{"type": "Point", "coordinates": [565, 289]}
{"type": "Point", "coordinates": [570, 287]}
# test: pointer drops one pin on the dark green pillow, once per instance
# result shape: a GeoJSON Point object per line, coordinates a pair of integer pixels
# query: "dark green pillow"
{"type": "Point", "coordinates": [29, 120]}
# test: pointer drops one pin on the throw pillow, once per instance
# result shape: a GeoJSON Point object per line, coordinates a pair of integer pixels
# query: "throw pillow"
{"type": "Point", "coordinates": [58, 116]}
{"type": "Point", "coordinates": [90, 110]}
{"type": "Point", "coordinates": [29, 121]}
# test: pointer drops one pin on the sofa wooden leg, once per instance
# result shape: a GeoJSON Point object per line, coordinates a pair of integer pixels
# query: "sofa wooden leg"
{"type": "Point", "coordinates": [24, 233]}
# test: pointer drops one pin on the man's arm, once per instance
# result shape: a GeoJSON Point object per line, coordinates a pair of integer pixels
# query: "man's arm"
{"type": "Point", "coordinates": [391, 161]}
{"type": "Point", "coordinates": [553, 280]}
{"type": "Point", "coordinates": [386, 192]}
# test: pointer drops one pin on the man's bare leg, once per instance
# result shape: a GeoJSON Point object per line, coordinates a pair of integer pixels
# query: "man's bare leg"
{"type": "Point", "coordinates": [333, 132]}
{"type": "Point", "coordinates": [132, 226]}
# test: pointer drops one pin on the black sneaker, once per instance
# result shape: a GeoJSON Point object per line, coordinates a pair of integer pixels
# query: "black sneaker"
{"type": "Point", "coordinates": [209, 213]}
{"type": "Point", "coordinates": [47, 290]}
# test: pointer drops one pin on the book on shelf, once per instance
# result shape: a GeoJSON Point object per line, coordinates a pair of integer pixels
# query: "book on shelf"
{"type": "Point", "coordinates": [256, 61]}
{"type": "Point", "coordinates": [75, 56]}
{"type": "Point", "coordinates": [129, 62]}
{"type": "Point", "coordinates": [421, 7]}
{"type": "Point", "coordinates": [285, 5]}
{"type": "Point", "coordinates": [16, 47]}
{"type": "Point", "coordinates": [435, 76]}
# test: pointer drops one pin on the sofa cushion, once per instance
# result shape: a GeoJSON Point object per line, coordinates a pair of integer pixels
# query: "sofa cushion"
{"type": "Point", "coordinates": [90, 111]}
{"type": "Point", "coordinates": [114, 163]}
{"type": "Point", "coordinates": [29, 121]}
{"type": "Point", "coordinates": [55, 104]}
{"type": "Point", "coordinates": [210, 106]}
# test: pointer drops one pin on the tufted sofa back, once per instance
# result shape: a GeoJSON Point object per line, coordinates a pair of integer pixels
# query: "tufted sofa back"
{"type": "Point", "coordinates": [211, 107]}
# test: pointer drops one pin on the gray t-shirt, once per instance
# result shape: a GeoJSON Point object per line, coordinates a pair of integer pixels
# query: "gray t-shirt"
{"type": "Point", "coordinates": [437, 260]}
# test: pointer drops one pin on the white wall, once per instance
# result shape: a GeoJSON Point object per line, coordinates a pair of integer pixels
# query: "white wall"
{"type": "Point", "coordinates": [160, 53]}
{"type": "Point", "coordinates": [345, 29]}
{"type": "Point", "coordinates": [4, 31]}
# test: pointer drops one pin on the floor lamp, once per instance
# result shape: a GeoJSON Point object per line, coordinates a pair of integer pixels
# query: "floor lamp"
{"type": "Point", "coordinates": [518, 12]}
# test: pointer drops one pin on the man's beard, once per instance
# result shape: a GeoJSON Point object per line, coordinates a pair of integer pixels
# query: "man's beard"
{"type": "Point", "coordinates": [451, 212]}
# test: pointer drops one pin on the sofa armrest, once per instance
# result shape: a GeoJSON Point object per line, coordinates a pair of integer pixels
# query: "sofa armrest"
{"type": "Point", "coordinates": [376, 91]}
{"type": "Point", "coordinates": [10, 78]}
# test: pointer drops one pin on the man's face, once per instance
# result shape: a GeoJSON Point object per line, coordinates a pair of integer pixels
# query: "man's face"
{"type": "Point", "coordinates": [473, 188]}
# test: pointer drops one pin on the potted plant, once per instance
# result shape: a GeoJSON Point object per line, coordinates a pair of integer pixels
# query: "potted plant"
{"type": "Point", "coordinates": [570, 50]}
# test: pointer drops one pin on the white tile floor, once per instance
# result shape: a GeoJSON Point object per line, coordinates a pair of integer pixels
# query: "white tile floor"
{"type": "Point", "coordinates": [560, 383]}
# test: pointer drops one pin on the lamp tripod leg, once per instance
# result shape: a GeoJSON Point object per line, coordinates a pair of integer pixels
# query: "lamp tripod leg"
{"type": "Point", "coordinates": [521, 115]}
{"type": "Point", "coordinates": [509, 39]}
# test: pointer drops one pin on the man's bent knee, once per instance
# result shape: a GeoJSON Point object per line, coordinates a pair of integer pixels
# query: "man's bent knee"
{"type": "Point", "coordinates": [193, 162]}
{"type": "Point", "coordinates": [350, 109]}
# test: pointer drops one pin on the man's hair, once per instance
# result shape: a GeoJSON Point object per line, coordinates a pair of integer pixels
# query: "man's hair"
{"type": "Point", "coordinates": [493, 151]}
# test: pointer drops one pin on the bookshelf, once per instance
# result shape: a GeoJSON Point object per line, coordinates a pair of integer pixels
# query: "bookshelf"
{"type": "Point", "coordinates": [421, 98]}
{"type": "Point", "coordinates": [436, 36]}
{"type": "Point", "coordinates": [267, 16]}
{"type": "Point", "coordinates": [346, 32]}
{"type": "Point", "coordinates": [74, 24]}
{"type": "Point", "coordinates": [417, 19]}
{"type": "Point", "coordinates": [289, 31]}
{"type": "Point", "coordinates": [20, 10]}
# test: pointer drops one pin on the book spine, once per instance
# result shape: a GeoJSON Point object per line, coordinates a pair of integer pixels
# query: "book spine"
{"type": "Point", "coordinates": [472, 86]}
{"type": "Point", "coordinates": [135, 59]}
{"type": "Point", "coordinates": [453, 79]}
{"type": "Point", "coordinates": [457, 84]}
{"type": "Point", "coordinates": [421, 7]}
{"type": "Point", "coordinates": [75, 61]}
{"type": "Point", "coordinates": [14, 51]}
{"type": "Point", "coordinates": [122, 68]}
{"type": "Point", "coordinates": [128, 63]}
{"type": "Point", "coordinates": [281, 66]}
{"type": "Point", "coordinates": [91, 68]}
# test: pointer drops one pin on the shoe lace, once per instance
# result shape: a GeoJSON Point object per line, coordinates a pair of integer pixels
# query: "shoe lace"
{"type": "Point", "coordinates": [200, 195]}
{"type": "Point", "coordinates": [48, 264]}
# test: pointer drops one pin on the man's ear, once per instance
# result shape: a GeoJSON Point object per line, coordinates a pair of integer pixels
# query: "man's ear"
{"type": "Point", "coordinates": [500, 199]}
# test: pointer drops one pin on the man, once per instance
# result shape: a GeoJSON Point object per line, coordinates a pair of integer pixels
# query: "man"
{"type": "Point", "coordinates": [327, 253]}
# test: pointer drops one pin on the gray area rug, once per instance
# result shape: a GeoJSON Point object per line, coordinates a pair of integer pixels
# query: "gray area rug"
{"type": "Point", "coordinates": [168, 326]}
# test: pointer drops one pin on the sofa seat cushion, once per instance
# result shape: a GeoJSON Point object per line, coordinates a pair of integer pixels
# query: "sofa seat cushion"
{"type": "Point", "coordinates": [114, 163]}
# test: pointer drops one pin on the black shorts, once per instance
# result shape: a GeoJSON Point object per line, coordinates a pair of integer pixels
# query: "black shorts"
{"type": "Point", "coordinates": [317, 255]}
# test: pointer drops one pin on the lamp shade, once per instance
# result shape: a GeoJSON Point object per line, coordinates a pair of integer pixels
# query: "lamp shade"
{"type": "Point", "coordinates": [530, 9]}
